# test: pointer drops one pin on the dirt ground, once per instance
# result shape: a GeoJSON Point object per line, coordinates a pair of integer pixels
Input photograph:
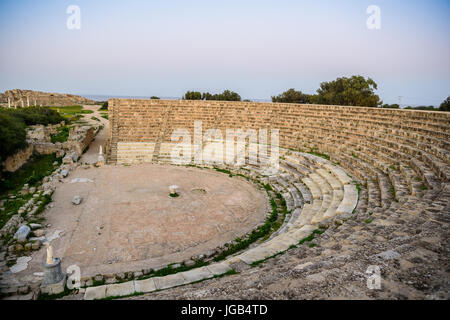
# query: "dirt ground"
{"type": "Point", "coordinates": [128, 222]}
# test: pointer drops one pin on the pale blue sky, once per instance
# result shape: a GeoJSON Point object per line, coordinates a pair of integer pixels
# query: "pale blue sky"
{"type": "Point", "coordinates": [256, 48]}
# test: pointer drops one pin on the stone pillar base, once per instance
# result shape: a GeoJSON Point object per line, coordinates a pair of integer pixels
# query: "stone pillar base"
{"type": "Point", "coordinates": [54, 288]}
{"type": "Point", "coordinates": [54, 279]}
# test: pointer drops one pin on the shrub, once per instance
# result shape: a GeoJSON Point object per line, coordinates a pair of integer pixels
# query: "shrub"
{"type": "Point", "coordinates": [227, 95]}
{"type": "Point", "coordinates": [12, 135]}
{"type": "Point", "coordinates": [429, 108]}
{"type": "Point", "coordinates": [445, 105]}
{"type": "Point", "coordinates": [292, 96]}
{"type": "Point", "coordinates": [32, 172]}
{"type": "Point", "coordinates": [62, 135]}
{"type": "Point", "coordinates": [104, 106]}
{"type": "Point", "coordinates": [37, 115]}
{"type": "Point", "coordinates": [13, 123]}
{"type": "Point", "coordinates": [390, 106]}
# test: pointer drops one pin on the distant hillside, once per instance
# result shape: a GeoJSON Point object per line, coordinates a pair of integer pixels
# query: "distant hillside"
{"type": "Point", "coordinates": [18, 97]}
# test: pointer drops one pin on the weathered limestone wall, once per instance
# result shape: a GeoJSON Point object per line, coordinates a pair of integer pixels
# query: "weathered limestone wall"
{"type": "Point", "coordinates": [18, 97]}
{"type": "Point", "coordinates": [39, 142]}
{"type": "Point", "coordinates": [17, 160]}
{"type": "Point", "coordinates": [328, 129]}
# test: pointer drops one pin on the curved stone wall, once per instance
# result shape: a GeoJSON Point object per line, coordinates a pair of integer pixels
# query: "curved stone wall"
{"type": "Point", "coordinates": [362, 140]}
{"type": "Point", "coordinates": [380, 196]}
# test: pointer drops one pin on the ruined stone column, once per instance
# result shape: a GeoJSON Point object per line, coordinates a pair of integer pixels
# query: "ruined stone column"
{"type": "Point", "coordinates": [101, 158]}
{"type": "Point", "coordinates": [54, 279]}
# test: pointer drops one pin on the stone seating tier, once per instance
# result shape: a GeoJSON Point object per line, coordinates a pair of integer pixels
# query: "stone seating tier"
{"type": "Point", "coordinates": [383, 163]}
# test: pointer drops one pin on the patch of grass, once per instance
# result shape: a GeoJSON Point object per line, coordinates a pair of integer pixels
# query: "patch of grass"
{"type": "Point", "coordinates": [228, 273]}
{"type": "Point", "coordinates": [105, 116]}
{"type": "Point", "coordinates": [256, 263]}
{"type": "Point", "coordinates": [242, 176]}
{"type": "Point", "coordinates": [358, 187]}
{"type": "Point", "coordinates": [135, 294]}
{"type": "Point", "coordinates": [71, 113]}
{"type": "Point", "coordinates": [307, 239]}
{"type": "Point", "coordinates": [268, 187]}
{"type": "Point", "coordinates": [32, 172]}
{"type": "Point", "coordinates": [97, 283]}
{"type": "Point", "coordinates": [393, 193]}
{"type": "Point", "coordinates": [368, 221]}
{"type": "Point", "coordinates": [283, 204]}
{"type": "Point", "coordinates": [315, 152]}
{"type": "Point", "coordinates": [174, 195]}
{"type": "Point", "coordinates": [170, 270]}
{"type": "Point", "coordinates": [312, 245]}
{"type": "Point", "coordinates": [423, 187]}
{"type": "Point", "coordinates": [71, 110]}
{"type": "Point", "coordinates": [45, 199]}
{"type": "Point", "coordinates": [312, 235]}
{"type": "Point", "coordinates": [95, 118]}
{"type": "Point", "coordinates": [228, 172]}
{"type": "Point", "coordinates": [271, 224]}
{"type": "Point", "coordinates": [62, 135]}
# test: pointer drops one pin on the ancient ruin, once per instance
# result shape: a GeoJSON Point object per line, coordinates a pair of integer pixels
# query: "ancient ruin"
{"type": "Point", "coordinates": [356, 193]}
{"type": "Point", "coordinates": [29, 98]}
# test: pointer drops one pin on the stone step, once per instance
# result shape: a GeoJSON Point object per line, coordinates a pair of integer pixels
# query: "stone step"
{"type": "Point", "coordinates": [332, 180]}
{"type": "Point", "coordinates": [155, 283]}
{"type": "Point", "coordinates": [349, 201]}
{"type": "Point", "coordinates": [313, 188]}
{"type": "Point", "coordinates": [306, 194]}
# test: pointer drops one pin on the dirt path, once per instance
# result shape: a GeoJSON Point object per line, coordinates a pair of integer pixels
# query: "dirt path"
{"type": "Point", "coordinates": [91, 155]}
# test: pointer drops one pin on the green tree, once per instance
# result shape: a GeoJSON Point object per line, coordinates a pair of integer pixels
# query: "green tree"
{"type": "Point", "coordinates": [354, 91]}
{"type": "Point", "coordinates": [292, 96]}
{"type": "Point", "coordinates": [227, 95]}
{"type": "Point", "coordinates": [207, 96]}
{"type": "Point", "coordinates": [390, 106]}
{"type": "Point", "coordinates": [192, 95]}
{"type": "Point", "coordinates": [154, 97]}
{"type": "Point", "coordinates": [445, 106]}
{"type": "Point", "coordinates": [104, 106]}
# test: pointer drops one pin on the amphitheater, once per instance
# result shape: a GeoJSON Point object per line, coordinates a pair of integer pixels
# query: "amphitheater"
{"type": "Point", "coordinates": [361, 189]}
{"type": "Point", "coordinates": [353, 204]}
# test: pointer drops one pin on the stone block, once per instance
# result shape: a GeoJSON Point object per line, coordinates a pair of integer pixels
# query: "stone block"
{"type": "Point", "coordinates": [147, 285]}
{"type": "Point", "coordinates": [169, 281]}
{"type": "Point", "coordinates": [120, 289]}
{"type": "Point", "coordinates": [197, 274]}
{"type": "Point", "coordinates": [218, 268]}
{"type": "Point", "coordinates": [95, 293]}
